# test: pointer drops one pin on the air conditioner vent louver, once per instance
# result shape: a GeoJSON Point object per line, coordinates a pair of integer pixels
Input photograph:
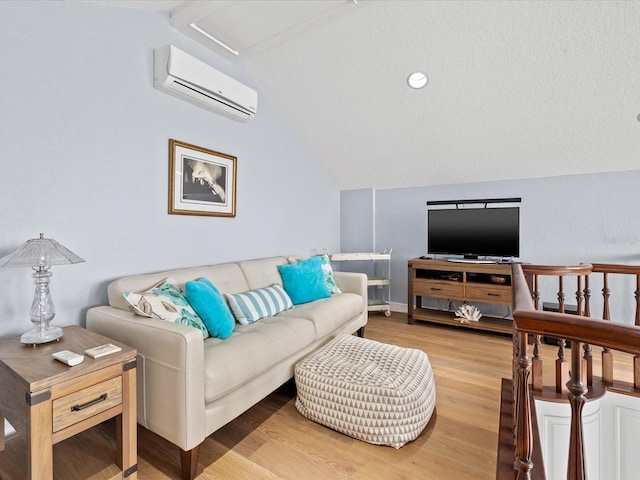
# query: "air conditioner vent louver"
{"type": "Point", "coordinates": [189, 79]}
{"type": "Point", "coordinates": [213, 97]}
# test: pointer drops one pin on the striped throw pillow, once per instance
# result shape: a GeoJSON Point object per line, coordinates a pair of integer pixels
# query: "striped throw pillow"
{"type": "Point", "coordinates": [249, 307]}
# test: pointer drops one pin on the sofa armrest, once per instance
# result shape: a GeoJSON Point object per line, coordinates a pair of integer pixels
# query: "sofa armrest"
{"type": "Point", "coordinates": [170, 373]}
{"type": "Point", "coordinates": [352, 282]}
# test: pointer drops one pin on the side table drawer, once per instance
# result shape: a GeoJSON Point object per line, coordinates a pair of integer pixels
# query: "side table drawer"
{"type": "Point", "coordinates": [85, 403]}
{"type": "Point", "coordinates": [489, 294]}
{"type": "Point", "coordinates": [438, 289]}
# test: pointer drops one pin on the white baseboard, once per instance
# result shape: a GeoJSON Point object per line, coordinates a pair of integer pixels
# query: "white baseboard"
{"type": "Point", "coordinates": [399, 307]}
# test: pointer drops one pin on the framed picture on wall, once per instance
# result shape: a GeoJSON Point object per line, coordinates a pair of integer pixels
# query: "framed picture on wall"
{"type": "Point", "coordinates": [201, 181]}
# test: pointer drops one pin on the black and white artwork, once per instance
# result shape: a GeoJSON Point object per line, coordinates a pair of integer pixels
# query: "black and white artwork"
{"type": "Point", "coordinates": [201, 181]}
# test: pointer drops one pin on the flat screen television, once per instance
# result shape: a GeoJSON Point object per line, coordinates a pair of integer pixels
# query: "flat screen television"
{"type": "Point", "coordinates": [474, 232]}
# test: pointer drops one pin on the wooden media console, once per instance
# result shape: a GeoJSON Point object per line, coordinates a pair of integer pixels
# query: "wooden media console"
{"type": "Point", "coordinates": [488, 283]}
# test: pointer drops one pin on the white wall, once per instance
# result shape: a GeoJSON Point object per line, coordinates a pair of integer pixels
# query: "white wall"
{"type": "Point", "coordinates": [85, 159]}
{"type": "Point", "coordinates": [611, 430]}
{"type": "Point", "coordinates": [563, 220]}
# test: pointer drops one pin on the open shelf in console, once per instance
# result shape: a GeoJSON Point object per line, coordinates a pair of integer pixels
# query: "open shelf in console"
{"type": "Point", "coordinates": [489, 278]}
{"type": "Point", "coordinates": [453, 276]}
{"type": "Point", "coordinates": [443, 317]}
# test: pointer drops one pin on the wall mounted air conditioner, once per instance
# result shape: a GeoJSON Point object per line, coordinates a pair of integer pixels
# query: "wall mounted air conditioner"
{"type": "Point", "coordinates": [187, 78]}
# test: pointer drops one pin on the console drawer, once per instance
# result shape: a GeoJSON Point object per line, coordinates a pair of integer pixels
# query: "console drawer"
{"type": "Point", "coordinates": [489, 294]}
{"type": "Point", "coordinates": [85, 403]}
{"type": "Point", "coordinates": [438, 289]}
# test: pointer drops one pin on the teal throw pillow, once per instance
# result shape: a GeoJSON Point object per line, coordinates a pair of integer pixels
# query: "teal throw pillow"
{"type": "Point", "coordinates": [304, 281]}
{"type": "Point", "coordinates": [210, 305]}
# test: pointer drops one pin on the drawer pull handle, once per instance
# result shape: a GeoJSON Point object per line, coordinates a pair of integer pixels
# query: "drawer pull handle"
{"type": "Point", "coordinates": [494, 294]}
{"type": "Point", "coordinates": [101, 398]}
{"type": "Point", "coordinates": [436, 289]}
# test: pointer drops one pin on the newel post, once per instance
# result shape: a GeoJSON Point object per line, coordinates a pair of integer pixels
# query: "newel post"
{"type": "Point", "coordinates": [524, 432]}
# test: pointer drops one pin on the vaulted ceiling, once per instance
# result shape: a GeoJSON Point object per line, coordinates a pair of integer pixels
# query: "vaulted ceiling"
{"type": "Point", "coordinates": [516, 89]}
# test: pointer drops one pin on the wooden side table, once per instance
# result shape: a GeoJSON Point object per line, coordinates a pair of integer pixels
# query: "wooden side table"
{"type": "Point", "coordinates": [47, 401]}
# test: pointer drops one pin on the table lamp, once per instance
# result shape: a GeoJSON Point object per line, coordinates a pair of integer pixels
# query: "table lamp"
{"type": "Point", "coordinates": [40, 254]}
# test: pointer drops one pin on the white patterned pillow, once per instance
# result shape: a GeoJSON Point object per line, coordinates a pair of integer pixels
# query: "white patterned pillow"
{"type": "Point", "coordinates": [249, 307]}
{"type": "Point", "coordinates": [328, 275]}
{"type": "Point", "coordinates": [166, 302]}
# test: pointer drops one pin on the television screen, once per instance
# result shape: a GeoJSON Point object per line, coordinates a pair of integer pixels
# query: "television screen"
{"type": "Point", "coordinates": [474, 232]}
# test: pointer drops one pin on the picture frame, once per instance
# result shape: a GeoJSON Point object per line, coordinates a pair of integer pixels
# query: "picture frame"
{"type": "Point", "coordinates": [201, 181]}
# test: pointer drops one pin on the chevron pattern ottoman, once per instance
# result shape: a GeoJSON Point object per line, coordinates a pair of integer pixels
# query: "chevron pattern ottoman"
{"type": "Point", "coordinates": [381, 394]}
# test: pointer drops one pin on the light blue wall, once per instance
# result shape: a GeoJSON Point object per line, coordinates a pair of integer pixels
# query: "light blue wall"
{"type": "Point", "coordinates": [356, 220]}
{"type": "Point", "coordinates": [564, 220]}
{"type": "Point", "coordinates": [85, 158]}
{"type": "Point", "coordinates": [357, 228]}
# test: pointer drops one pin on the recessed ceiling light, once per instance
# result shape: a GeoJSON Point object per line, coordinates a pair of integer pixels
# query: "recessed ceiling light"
{"type": "Point", "coordinates": [417, 80]}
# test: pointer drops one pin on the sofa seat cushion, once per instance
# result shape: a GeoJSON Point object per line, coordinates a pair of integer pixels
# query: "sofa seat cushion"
{"type": "Point", "coordinates": [251, 351]}
{"type": "Point", "coordinates": [328, 314]}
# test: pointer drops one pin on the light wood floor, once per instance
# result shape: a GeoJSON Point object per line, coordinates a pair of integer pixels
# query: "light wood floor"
{"type": "Point", "coordinates": [273, 441]}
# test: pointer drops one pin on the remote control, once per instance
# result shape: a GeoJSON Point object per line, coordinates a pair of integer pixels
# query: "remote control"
{"type": "Point", "coordinates": [68, 357]}
{"type": "Point", "coordinates": [102, 350]}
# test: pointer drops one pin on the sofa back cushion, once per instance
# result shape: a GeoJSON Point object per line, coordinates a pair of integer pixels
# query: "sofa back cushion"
{"type": "Point", "coordinates": [228, 278]}
{"type": "Point", "coordinates": [263, 272]}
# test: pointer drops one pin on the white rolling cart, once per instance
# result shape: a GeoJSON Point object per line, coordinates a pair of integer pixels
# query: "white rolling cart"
{"type": "Point", "coordinates": [381, 278]}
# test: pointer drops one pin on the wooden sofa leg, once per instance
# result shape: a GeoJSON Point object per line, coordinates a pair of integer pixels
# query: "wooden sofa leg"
{"type": "Point", "coordinates": [361, 332]}
{"type": "Point", "coordinates": [189, 462]}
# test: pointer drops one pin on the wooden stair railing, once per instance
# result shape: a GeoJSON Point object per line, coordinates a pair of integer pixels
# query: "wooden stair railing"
{"type": "Point", "coordinates": [534, 274]}
{"type": "Point", "coordinates": [607, 269]}
{"type": "Point", "coordinates": [579, 330]}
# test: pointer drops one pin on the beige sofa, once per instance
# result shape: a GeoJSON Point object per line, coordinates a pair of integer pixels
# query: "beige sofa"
{"type": "Point", "coordinates": [189, 387]}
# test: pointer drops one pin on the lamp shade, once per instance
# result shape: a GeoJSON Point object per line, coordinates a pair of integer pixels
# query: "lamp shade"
{"type": "Point", "coordinates": [40, 252]}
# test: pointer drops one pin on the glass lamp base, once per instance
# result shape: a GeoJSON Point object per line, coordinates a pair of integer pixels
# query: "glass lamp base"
{"type": "Point", "coordinates": [37, 336]}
